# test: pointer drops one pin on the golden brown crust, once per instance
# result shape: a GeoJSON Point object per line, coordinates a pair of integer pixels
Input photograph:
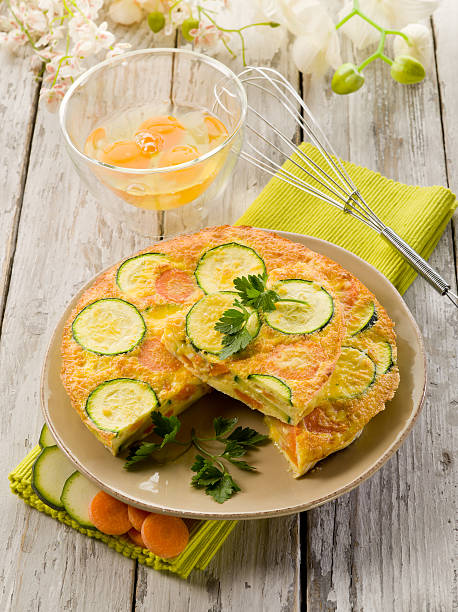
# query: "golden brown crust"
{"type": "Point", "coordinates": [82, 371]}
{"type": "Point", "coordinates": [305, 362]}
{"type": "Point", "coordinates": [333, 425]}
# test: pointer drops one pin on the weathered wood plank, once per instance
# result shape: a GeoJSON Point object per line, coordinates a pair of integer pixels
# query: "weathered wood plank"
{"type": "Point", "coordinates": [257, 569]}
{"type": "Point", "coordinates": [388, 544]}
{"type": "Point", "coordinates": [444, 27]}
{"type": "Point", "coordinates": [64, 238]}
{"type": "Point", "coordinates": [18, 104]}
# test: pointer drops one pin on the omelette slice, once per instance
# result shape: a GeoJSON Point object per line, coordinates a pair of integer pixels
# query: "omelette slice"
{"type": "Point", "coordinates": [114, 365]}
{"type": "Point", "coordinates": [364, 379]}
{"type": "Point", "coordinates": [294, 348]}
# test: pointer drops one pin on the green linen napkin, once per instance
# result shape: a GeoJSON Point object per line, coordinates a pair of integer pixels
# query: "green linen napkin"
{"type": "Point", "coordinates": [418, 214]}
{"type": "Point", "coordinates": [206, 537]}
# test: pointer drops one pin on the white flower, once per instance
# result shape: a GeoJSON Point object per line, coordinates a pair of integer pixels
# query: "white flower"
{"type": "Point", "coordinates": [420, 44]}
{"type": "Point", "coordinates": [88, 37]}
{"type": "Point", "coordinates": [180, 13]}
{"type": "Point", "coordinates": [205, 36]}
{"type": "Point", "coordinates": [151, 6]}
{"type": "Point", "coordinates": [315, 54]}
{"type": "Point", "coordinates": [125, 12]}
{"type": "Point", "coordinates": [386, 13]}
{"type": "Point", "coordinates": [316, 47]}
{"type": "Point", "coordinates": [90, 8]}
{"type": "Point", "coordinates": [118, 49]}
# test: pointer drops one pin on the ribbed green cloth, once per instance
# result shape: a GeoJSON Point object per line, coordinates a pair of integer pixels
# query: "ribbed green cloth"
{"type": "Point", "coordinates": [206, 536]}
{"type": "Point", "coordinates": [418, 214]}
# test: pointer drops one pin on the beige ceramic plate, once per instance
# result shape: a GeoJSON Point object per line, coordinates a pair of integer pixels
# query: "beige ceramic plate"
{"type": "Point", "coordinates": [271, 491]}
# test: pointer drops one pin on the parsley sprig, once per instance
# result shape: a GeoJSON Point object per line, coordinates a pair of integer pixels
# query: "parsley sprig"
{"type": "Point", "coordinates": [233, 323]}
{"type": "Point", "coordinates": [211, 473]}
{"type": "Point", "coordinates": [252, 291]}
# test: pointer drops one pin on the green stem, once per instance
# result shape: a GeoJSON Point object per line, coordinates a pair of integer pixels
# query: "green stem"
{"type": "Point", "coordinates": [237, 31]}
{"type": "Point", "coordinates": [346, 18]}
{"type": "Point", "coordinates": [383, 34]}
{"type": "Point", "coordinates": [398, 33]}
{"type": "Point", "coordinates": [62, 59]}
{"type": "Point", "coordinates": [22, 26]}
{"type": "Point", "coordinates": [200, 448]}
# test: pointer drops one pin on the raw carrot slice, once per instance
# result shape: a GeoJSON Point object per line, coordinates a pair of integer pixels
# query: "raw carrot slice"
{"type": "Point", "coordinates": [136, 537]}
{"type": "Point", "coordinates": [155, 357]}
{"type": "Point", "coordinates": [136, 517]}
{"type": "Point", "coordinates": [109, 515]}
{"type": "Point", "coordinates": [175, 285]}
{"type": "Point", "coordinates": [165, 536]}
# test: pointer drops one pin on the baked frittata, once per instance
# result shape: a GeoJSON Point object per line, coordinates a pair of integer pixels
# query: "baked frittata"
{"type": "Point", "coordinates": [293, 350]}
{"type": "Point", "coordinates": [319, 365]}
{"type": "Point", "coordinates": [114, 365]}
{"type": "Point", "coordinates": [365, 377]}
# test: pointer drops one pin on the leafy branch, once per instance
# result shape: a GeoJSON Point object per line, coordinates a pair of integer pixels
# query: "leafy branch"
{"type": "Point", "coordinates": [233, 323]}
{"type": "Point", "coordinates": [211, 473]}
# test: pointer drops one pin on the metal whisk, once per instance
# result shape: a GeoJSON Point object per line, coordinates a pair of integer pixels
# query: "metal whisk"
{"type": "Point", "coordinates": [327, 180]}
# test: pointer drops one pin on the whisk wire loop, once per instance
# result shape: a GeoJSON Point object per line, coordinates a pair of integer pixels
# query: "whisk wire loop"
{"type": "Point", "coordinates": [326, 179]}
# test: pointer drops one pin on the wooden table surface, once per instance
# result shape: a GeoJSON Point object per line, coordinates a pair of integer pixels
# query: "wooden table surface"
{"type": "Point", "coordinates": [387, 545]}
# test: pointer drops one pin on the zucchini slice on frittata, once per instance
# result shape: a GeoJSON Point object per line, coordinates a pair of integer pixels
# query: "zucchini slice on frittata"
{"type": "Point", "coordinates": [202, 317]}
{"type": "Point", "coordinates": [218, 267]}
{"type": "Point", "coordinates": [109, 326]}
{"type": "Point", "coordinates": [117, 405]}
{"type": "Point", "coordinates": [136, 274]}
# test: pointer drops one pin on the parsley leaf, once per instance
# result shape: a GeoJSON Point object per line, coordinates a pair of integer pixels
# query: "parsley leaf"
{"type": "Point", "coordinates": [223, 426]}
{"type": "Point", "coordinates": [223, 489]}
{"type": "Point", "coordinates": [233, 322]}
{"type": "Point", "coordinates": [243, 465]}
{"type": "Point", "coordinates": [252, 291]}
{"type": "Point", "coordinates": [165, 427]}
{"type": "Point", "coordinates": [233, 449]}
{"type": "Point", "coordinates": [247, 437]}
{"type": "Point", "coordinates": [207, 473]}
{"type": "Point", "coordinates": [234, 343]}
{"type": "Point", "coordinates": [210, 470]}
{"type": "Point", "coordinates": [139, 453]}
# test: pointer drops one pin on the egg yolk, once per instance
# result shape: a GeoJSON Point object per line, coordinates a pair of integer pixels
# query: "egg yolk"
{"type": "Point", "coordinates": [178, 155]}
{"type": "Point", "coordinates": [215, 128]}
{"type": "Point", "coordinates": [95, 136]}
{"type": "Point", "coordinates": [168, 127]}
{"type": "Point", "coordinates": [125, 153]}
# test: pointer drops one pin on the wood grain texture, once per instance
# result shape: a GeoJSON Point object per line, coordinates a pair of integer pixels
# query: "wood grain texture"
{"type": "Point", "coordinates": [386, 546]}
{"type": "Point", "coordinates": [64, 238]}
{"type": "Point", "coordinates": [445, 22]}
{"type": "Point", "coordinates": [17, 110]}
{"type": "Point", "coordinates": [389, 544]}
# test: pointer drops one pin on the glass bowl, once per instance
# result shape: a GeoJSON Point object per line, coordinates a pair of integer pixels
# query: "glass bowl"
{"type": "Point", "coordinates": [157, 202]}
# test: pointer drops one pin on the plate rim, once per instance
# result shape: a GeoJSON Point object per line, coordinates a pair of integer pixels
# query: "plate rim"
{"type": "Point", "coordinates": [250, 515]}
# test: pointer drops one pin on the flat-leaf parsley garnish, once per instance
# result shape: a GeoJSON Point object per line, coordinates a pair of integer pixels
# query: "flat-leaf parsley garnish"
{"type": "Point", "coordinates": [233, 322]}
{"type": "Point", "coordinates": [211, 473]}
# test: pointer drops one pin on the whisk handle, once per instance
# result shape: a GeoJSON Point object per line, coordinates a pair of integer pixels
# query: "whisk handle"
{"type": "Point", "coordinates": [416, 261]}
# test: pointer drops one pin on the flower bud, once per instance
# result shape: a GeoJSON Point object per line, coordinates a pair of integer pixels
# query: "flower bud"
{"type": "Point", "coordinates": [125, 12]}
{"type": "Point", "coordinates": [407, 70]}
{"type": "Point", "coordinates": [347, 79]}
{"type": "Point", "coordinates": [156, 21]}
{"type": "Point", "coordinates": [188, 25]}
